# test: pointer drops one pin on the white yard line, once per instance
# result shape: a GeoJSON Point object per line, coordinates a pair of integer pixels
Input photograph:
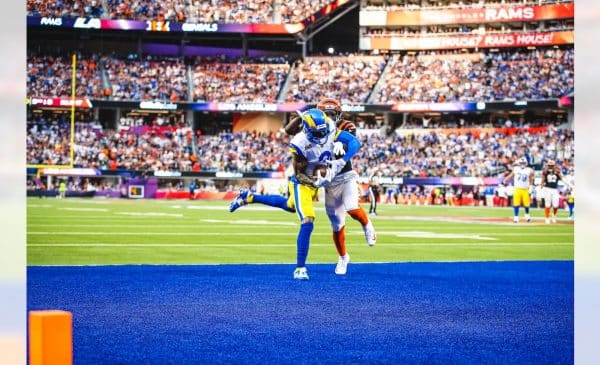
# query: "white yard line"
{"type": "Point", "coordinates": [250, 222]}
{"type": "Point", "coordinates": [150, 214]}
{"type": "Point", "coordinates": [291, 244]}
{"type": "Point", "coordinates": [85, 209]}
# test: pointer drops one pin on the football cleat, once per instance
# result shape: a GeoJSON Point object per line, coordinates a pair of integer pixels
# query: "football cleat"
{"type": "Point", "coordinates": [516, 219]}
{"type": "Point", "coordinates": [300, 273]}
{"type": "Point", "coordinates": [240, 200]}
{"type": "Point", "coordinates": [553, 219]}
{"type": "Point", "coordinates": [342, 266]}
{"type": "Point", "coordinates": [547, 220]}
{"type": "Point", "coordinates": [370, 234]}
{"type": "Point", "coordinates": [528, 217]}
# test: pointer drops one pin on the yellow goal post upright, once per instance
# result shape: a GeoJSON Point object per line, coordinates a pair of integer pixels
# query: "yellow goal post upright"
{"type": "Point", "coordinates": [72, 126]}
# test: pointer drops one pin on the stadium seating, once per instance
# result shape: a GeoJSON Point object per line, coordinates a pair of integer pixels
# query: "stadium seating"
{"type": "Point", "coordinates": [348, 78]}
{"type": "Point", "coordinates": [51, 76]}
{"type": "Point", "coordinates": [409, 152]}
{"type": "Point", "coordinates": [508, 75]}
{"type": "Point", "coordinates": [238, 82]}
{"type": "Point", "coordinates": [147, 79]}
{"type": "Point", "coordinates": [435, 76]}
{"type": "Point", "coordinates": [217, 11]}
{"type": "Point", "coordinates": [462, 4]}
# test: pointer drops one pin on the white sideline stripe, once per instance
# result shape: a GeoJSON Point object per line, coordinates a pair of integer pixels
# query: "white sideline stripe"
{"type": "Point", "coordinates": [417, 234]}
{"type": "Point", "coordinates": [406, 234]}
{"type": "Point", "coordinates": [476, 235]}
{"type": "Point", "coordinates": [174, 225]}
{"type": "Point", "coordinates": [291, 244]}
{"type": "Point", "coordinates": [293, 263]}
{"type": "Point", "coordinates": [226, 209]}
{"type": "Point", "coordinates": [94, 217]}
{"type": "Point", "coordinates": [48, 233]}
{"type": "Point", "coordinates": [291, 233]}
{"type": "Point", "coordinates": [152, 214]}
{"type": "Point", "coordinates": [85, 209]}
{"type": "Point", "coordinates": [39, 206]}
{"type": "Point", "coordinates": [85, 201]}
{"type": "Point", "coordinates": [249, 222]}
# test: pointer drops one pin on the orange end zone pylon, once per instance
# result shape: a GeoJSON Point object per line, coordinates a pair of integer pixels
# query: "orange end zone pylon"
{"type": "Point", "coordinates": [50, 337]}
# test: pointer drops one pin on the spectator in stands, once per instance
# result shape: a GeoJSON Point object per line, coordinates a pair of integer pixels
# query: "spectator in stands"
{"type": "Point", "coordinates": [238, 82]}
{"type": "Point", "coordinates": [50, 76]}
{"type": "Point", "coordinates": [349, 79]}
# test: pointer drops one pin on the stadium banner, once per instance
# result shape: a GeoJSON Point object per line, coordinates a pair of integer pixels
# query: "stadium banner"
{"type": "Point", "coordinates": [83, 103]}
{"type": "Point", "coordinates": [86, 103]}
{"type": "Point", "coordinates": [487, 14]}
{"type": "Point", "coordinates": [161, 26]}
{"type": "Point", "coordinates": [475, 132]}
{"type": "Point", "coordinates": [437, 107]}
{"type": "Point", "coordinates": [467, 180]}
{"type": "Point", "coordinates": [249, 107]}
{"type": "Point", "coordinates": [70, 172]}
{"type": "Point", "coordinates": [467, 41]}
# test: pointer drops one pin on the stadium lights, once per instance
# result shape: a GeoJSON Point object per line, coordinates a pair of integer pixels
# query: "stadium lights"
{"type": "Point", "coordinates": [330, 50]}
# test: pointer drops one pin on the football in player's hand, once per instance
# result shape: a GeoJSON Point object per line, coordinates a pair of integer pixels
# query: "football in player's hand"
{"type": "Point", "coordinates": [322, 169]}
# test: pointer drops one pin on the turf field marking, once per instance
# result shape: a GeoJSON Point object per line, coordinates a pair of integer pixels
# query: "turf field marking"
{"type": "Point", "coordinates": [249, 222]}
{"type": "Point", "coordinates": [497, 221]}
{"type": "Point", "coordinates": [224, 208]}
{"type": "Point", "coordinates": [153, 214]}
{"type": "Point", "coordinates": [266, 234]}
{"type": "Point", "coordinates": [291, 244]}
{"type": "Point", "coordinates": [85, 209]}
{"type": "Point", "coordinates": [427, 234]}
{"type": "Point", "coordinates": [421, 234]}
{"type": "Point", "coordinates": [103, 224]}
{"type": "Point", "coordinates": [39, 206]}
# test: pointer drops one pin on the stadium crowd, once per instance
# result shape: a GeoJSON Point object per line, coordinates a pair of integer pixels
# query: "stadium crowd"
{"type": "Point", "coordinates": [435, 153]}
{"type": "Point", "coordinates": [193, 11]}
{"type": "Point", "coordinates": [51, 76]}
{"type": "Point", "coordinates": [450, 154]}
{"type": "Point", "coordinates": [238, 82]}
{"type": "Point", "coordinates": [348, 79]}
{"type": "Point", "coordinates": [424, 77]}
{"type": "Point", "coordinates": [457, 4]}
{"type": "Point", "coordinates": [510, 75]}
{"type": "Point", "coordinates": [147, 79]}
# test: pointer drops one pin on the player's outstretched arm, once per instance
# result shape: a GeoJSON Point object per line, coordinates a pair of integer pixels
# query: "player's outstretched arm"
{"type": "Point", "coordinates": [294, 126]}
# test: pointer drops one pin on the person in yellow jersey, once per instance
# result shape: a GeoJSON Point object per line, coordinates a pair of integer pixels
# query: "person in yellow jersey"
{"type": "Point", "coordinates": [62, 189]}
{"type": "Point", "coordinates": [522, 176]}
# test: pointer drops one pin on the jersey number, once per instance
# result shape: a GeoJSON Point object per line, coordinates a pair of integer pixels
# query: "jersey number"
{"type": "Point", "coordinates": [522, 177]}
{"type": "Point", "coordinates": [325, 156]}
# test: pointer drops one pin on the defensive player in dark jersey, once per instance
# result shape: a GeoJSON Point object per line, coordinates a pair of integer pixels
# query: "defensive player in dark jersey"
{"type": "Point", "coordinates": [550, 178]}
{"type": "Point", "coordinates": [373, 197]}
{"type": "Point", "coordinates": [341, 195]}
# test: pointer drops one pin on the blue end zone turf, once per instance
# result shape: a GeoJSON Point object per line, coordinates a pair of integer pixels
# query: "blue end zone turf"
{"type": "Point", "coordinates": [478, 312]}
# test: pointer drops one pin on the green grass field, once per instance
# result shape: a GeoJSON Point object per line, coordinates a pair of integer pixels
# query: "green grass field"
{"type": "Point", "coordinates": [107, 231]}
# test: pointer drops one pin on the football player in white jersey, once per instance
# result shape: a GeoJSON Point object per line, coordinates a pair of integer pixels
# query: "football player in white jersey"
{"type": "Point", "coordinates": [523, 179]}
{"type": "Point", "coordinates": [311, 148]}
